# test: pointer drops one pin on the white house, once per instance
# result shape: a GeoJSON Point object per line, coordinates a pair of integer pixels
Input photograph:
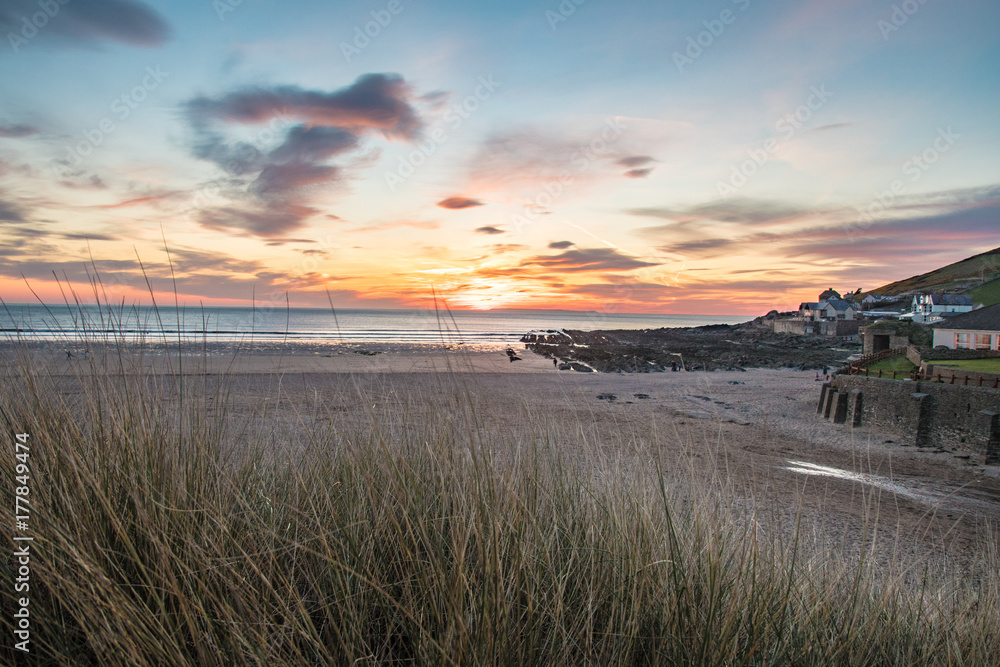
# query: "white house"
{"type": "Point", "coordinates": [975, 330]}
{"type": "Point", "coordinates": [930, 307]}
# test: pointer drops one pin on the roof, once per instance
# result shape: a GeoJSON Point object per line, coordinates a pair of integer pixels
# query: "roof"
{"type": "Point", "coordinates": [952, 299]}
{"type": "Point", "coordinates": [811, 305]}
{"type": "Point", "coordinates": [839, 304]}
{"type": "Point", "coordinates": [984, 319]}
{"type": "Point", "coordinates": [947, 299]}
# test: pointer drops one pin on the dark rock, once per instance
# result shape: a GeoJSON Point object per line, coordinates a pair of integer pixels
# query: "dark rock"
{"type": "Point", "coordinates": [752, 345]}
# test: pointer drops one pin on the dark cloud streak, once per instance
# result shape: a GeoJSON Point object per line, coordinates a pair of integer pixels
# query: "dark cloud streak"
{"type": "Point", "coordinates": [17, 131]}
{"type": "Point", "coordinates": [373, 101]}
{"type": "Point", "coordinates": [457, 203]}
{"type": "Point", "coordinates": [587, 259]}
{"type": "Point", "coordinates": [86, 22]}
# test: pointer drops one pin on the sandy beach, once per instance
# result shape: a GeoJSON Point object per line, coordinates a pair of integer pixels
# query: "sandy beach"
{"type": "Point", "coordinates": [246, 453]}
{"type": "Point", "coordinates": [758, 428]}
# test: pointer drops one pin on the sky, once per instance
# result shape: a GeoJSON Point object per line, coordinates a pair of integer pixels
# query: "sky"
{"type": "Point", "coordinates": [726, 157]}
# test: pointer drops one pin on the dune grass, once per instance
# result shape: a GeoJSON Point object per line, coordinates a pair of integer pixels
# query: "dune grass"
{"type": "Point", "coordinates": [171, 529]}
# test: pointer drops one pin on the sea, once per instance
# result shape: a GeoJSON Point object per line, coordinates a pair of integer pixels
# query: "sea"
{"type": "Point", "coordinates": [38, 322]}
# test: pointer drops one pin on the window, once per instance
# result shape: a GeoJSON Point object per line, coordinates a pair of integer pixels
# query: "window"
{"type": "Point", "coordinates": [983, 341]}
{"type": "Point", "coordinates": [962, 341]}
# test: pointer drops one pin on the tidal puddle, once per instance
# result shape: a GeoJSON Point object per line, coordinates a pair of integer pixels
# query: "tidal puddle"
{"type": "Point", "coordinates": [884, 483]}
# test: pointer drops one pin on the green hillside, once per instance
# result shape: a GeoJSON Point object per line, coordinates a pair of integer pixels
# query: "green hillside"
{"type": "Point", "coordinates": [978, 276]}
{"type": "Point", "coordinates": [987, 294]}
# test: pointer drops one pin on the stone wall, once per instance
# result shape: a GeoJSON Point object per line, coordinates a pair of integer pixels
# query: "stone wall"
{"type": "Point", "coordinates": [840, 328]}
{"type": "Point", "coordinates": [818, 328]}
{"type": "Point", "coordinates": [929, 413]}
{"type": "Point", "coordinates": [797, 327]}
{"type": "Point", "coordinates": [937, 354]}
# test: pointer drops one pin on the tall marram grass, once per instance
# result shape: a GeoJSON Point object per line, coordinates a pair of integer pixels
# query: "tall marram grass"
{"type": "Point", "coordinates": [171, 529]}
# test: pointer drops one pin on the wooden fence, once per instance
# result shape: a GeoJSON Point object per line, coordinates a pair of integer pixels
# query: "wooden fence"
{"type": "Point", "coordinates": [861, 367]}
{"type": "Point", "coordinates": [964, 380]}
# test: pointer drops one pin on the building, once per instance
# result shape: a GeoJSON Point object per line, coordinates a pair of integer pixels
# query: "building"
{"type": "Point", "coordinates": [883, 336]}
{"type": "Point", "coordinates": [931, 307]}
{"type": "Point", "coordinates": [871, 300]}
{"type": "Point", "coordinates": [838, 309]}
{"type": "Point", "coordinates": [829, 294]}
{"type": "Point", "coordinates": [882, 314]}
{"type": "Point", "coordinates": [975, 330]}
{"type": "Point", "coordinates": [827, 309]}
{"type": "Point", "coordinates": [811, 310]}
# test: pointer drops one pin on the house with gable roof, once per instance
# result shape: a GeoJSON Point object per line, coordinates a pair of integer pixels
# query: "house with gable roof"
{"type": "Point", "coordinates": [975, 330]}
{"type": "Point", "coordinates": [838, 309]}
{"type": "Point", "coordinates": [932, 307]}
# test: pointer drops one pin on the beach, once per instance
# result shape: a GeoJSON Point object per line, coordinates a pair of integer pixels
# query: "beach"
{"type": "Point", "coordinates": [445, 500]}
{"type": "Point", "coordinates": [756, 428]}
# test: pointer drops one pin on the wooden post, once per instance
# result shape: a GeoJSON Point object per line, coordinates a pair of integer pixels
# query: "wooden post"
{"type": "Point", "coordinates": [993, 444]}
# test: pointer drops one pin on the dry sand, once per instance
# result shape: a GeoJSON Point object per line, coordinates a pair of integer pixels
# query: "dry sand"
{"type": "Point", "coordinates": [759, 428]}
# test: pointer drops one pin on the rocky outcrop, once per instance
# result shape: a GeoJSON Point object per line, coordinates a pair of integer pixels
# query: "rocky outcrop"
{"type": "Point", "coordinates": [716, 347]}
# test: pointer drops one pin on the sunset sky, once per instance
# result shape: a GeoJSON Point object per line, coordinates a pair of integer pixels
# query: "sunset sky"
{"type": "Point", "coordinates": [661, 157]}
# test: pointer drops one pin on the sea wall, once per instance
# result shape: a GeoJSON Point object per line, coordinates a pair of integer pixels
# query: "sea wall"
{"type": "Point", "coordinates": [928, 413]}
